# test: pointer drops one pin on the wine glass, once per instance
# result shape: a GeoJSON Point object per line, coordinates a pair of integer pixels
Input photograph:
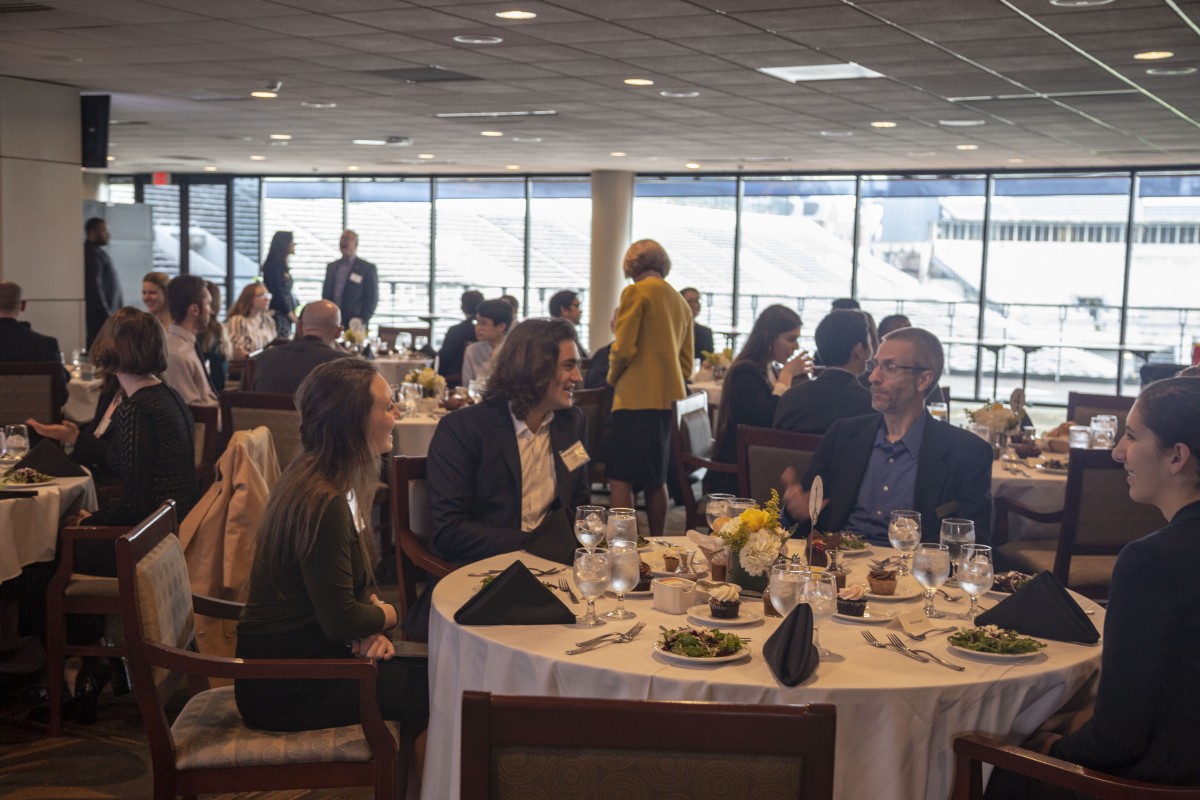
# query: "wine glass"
{"type": "Point", "coordinates": [956, 533]}
{"type": "Point", "coordinates": [624, 574]}
{"type": "Point", "coordinates": [737, 505]}
{"type": "Point", "coordinates": [785, 586]}
{"type": "Point", "coordinates": [904, 533]}
{"type": "Point", "coordinates": [16, 442]}
{"type": "Point", "coordinates": [819, 590]}
{"type": "Point", "coordinates": [975, 575]}
{"type": "Point", "coordinates": [716, 505]}
{"type": "Point", "coordinates": [590, 525]}
{"type": "Point", "coordinates": [622, 526]}
{"type": "Point", "coordinates": [931, 568]}
{"type": "Point", "coordinates": [591, 578]}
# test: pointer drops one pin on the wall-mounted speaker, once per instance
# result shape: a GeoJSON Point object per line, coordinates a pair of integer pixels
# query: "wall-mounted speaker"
{"type": "Point", "coordinates": [93, 117]}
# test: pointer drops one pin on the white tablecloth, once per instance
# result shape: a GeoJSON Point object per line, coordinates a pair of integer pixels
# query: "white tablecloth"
{"type": "Point", "coordinates": [29, 526]}
{"type": "Point", "coordinates": [897, 718]}
{"type": "Point", "coordinates": [82, 398]}
{"type": "Point", "coordinates": [411, 436]}
{"type": "Point", "coordinates": [710, 388]}
{"type": "Point", "coordinates": [1036, 489]}
{"type": "Point", "coordinates": [394, 369]}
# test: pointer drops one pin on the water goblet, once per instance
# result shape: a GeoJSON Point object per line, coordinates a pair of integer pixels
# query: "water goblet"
{"type": "Point", "coordinates": [1104, 431]}
{"type": "Point", "coordinates": [975, 575]}
{"type": "Point", "coordinates": [819, 591]}
{"type": "Point", "coordinates": [622, 526]}
{"type": "Point", "coordinates": [624, 574]}
{"type": "Point", "coordinates": [939, 411]}
{"type": "Point", "coordinates": [931, 568]}
{"type": "Point", "coordinates": [954, 534]}
{"type": "Point", "coordinates": [904, 533]}
{"type": "Point", "coordinates": [591, 578]}
{"type": "Point", "coordinates": [590, 525]}
{"type": "Point", "coordinates": [737, 505]}
{"type": "Point", "coordinates": [785, 586]}
{"type": "Point", "coordinates": [16, 442]}
{"type": "Point", "coordinates": [716, 505]}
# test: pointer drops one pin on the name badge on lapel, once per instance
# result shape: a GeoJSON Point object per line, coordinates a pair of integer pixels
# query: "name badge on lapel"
{"type": "Point", "coordinates": [575, 456]}
{"type": "Point", "coordinates": [355, 277]}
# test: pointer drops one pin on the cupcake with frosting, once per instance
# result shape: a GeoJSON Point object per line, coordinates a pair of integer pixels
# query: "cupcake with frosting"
{"type": "Point", "coordinates": [882, 581]}
{"type": "Point", "coordinates": [724, 602]}
{"type": "Point", "coordinates": [852, 601]}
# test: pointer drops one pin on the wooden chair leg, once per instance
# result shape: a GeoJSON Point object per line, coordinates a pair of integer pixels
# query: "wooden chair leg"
{"type": "Point", "coordinates": [55, 657]}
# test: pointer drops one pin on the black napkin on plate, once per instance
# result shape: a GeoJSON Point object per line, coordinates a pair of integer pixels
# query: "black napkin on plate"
{"type": "Point", "coordinates": [47, 457]}
{"type": "Point", "coordinates": [554, 538]}
{"type": "Point", "coordinates": [789, 650]}
{"type": "Point", "coordinates": [515, 597]}
{"type": "Point", "coordinates": [1043, 608]}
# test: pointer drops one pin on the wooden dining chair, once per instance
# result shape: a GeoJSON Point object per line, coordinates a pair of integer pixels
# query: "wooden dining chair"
{"type": "Point", "coordinates": [971, 752]}
{"type": "Point", "coordinates": [691, 451]}
{"type": "Point", "coordinates": [1098, 519]}
{"type": "Point", "coordinates": [597, 408]}
{"type": "Point", "coordinates": [208, 748]}
{"type": "Point", "coordinates": [518, 747]}
{"type": "Point", "coordinates": [241, 411]}
{"type": "Point", "coordinates": [409, 501]}
{"type": "Point", "coordinates": [35, 389]}
{"type": "Point", "coordinates": [763, 455]}
{"type": "Point", "coordinates": [1082, 407]}
{"type": "Point", "coordinates": [206, 424]}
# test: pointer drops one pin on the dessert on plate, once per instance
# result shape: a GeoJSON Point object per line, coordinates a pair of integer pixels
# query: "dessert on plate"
{"type": "Point", "coordinates": [852, 601]}
{"type": "Point", "coordinates": [882, 581]}
{"type": "Point", "coordinates": [724, 602]}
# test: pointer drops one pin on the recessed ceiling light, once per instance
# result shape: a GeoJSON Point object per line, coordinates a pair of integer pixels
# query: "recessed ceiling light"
{"type": "Point", "coordinates": [512, 166]}
{"type": "Point", "coordinates": [462, 114]}
{"type": "Point", "coordinates": [515, 14]}
{"type": "Point", "coordinates": [883, 124]}
{"type": "Point", "coordinates": [679, 93]}
{"type": "Point", "coordinates": [966, 147]}
{"type": "Point", "coordinates": [258, 158]}
{"type": "Point", "coordinates": [111, 158]}
{"type": "Point", "coordinates": [352, 168]}
{"type": "Point", "coordinates": [692, 165]}
{"type": "Point", "coordinates": [475, 39]}
{"type": "Point", "coordinates": [821, 72]}
{"type": "Point", "coordinates": [1079, 3]}
{"type": "Point", "coordinates": [426, 156]}
{"type": "Point", "coordinates": [527, 139]}
{"type": "Point", "coordinates": [837, 134]}
{"type": "Point", "coordinates": [617, 154]}
{"type": "Point", "coordinates": [281, 137]}
{"type": "Point", "coordinates": [639, 81]}
{"type": "Point", "coordinates": [1161, 71]}
{"type": "Point", "coordinates": [312, 104]}
{"type": "Point", "coordinates": [491, 133]}
{"type": "Point", "coordinates": [264, 95]}
{"type": "Point", "coordinates": [1154, 55]}
{"type": "Point", "coordinates": [1016, 161]}
{"type": "Point", "coordinates": [210, 169]}
{"type": "Point", "coordinates": [370, 142]}
{"type": "Point", "coordinates": [961, 123]}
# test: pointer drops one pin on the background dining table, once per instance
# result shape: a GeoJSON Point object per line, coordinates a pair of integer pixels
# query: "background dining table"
{"type": "Point", "coordinates": [897, 718]}
{"type": "Point", "coordinates": [30, 520]}
{"type": "Point", "coordinates": [82, 399]}
{"type": "Point", "coordinates": [1031, 487]}
{"type": "Point", "coordinates": [394, 368]}
{"type": "Point", "coordinates": [411, 435]}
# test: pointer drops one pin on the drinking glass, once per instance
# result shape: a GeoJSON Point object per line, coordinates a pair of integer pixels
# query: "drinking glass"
{"type": "Point", "coordinates": [975, 575]}
{"type": "Point", "coordinates": [1104, 431]}
{"type": "Point", "coordinates": [16, 442]}
{"type": "Point", "coordinates": [939, 411]}
{"type": "Point", "coordinates": [737, 505]}
{"type": "Point", "coordinates": [904, 533]}
{"type": "Point", "coordinates": [590, 526]}
{"type": "Point", "coordinates": [785, 586]}
{"type": "Point", "coordinates": [622, 526]}
{"type": "Point", "coordinates": [716, 505]}
{"type": "Point", "coordinates": [591, 578]}
{"type": "Point", "coordinates": [931, 568]}
{"type": "Point", "coordinates": [956, 533]}
{"type": "Point", "coordinates": [982, 431]}
{"type": "Point", "coordinates": [1079, 437]}
{"type": "Point", "coordinates": [475, 388]}
{"type": "Point", "coordinates": [624, 574]}
{"type": "Point", "coordinates": [819, 590]}
{"type": "Point", "coordinates": [410, 396]}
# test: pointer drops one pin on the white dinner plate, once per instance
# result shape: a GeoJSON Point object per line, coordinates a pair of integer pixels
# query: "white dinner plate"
{"type": "Point", "coordinates": [743, 653]}
{"type": "Point", "coordinates": [634, 593]}
{"type": "Point", "coordinates": [746, 615]}
{"type": "Point", "coordinates": [997, 595]}
{"type": "Point", "coordinates": [963, 652]}
{"type": "Point", "coordinates": [7, 485]}
{"type": "Point", "coordinates": [904, 591]}
{"type": "Point", "coordinates": [659, 571]}
{"type": "Point", "coordinates": [876, 617]}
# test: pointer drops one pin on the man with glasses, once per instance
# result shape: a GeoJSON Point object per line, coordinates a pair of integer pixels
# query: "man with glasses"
{"type": "Point", "coordinates": [844, 343]}
{"type": "Point", "coordinates": [900, 457]}
{"type": "Point", "coordinates": [566, 304]}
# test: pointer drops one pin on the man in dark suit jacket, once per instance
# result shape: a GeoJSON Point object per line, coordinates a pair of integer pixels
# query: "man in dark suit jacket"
{"type": "Point", "coordinates": [351, 283]}
{"type": "Point", "coordinates": [900, 458]}
{"type": "Point", "coordinates": [450, 357]}
{"type": "Point", "coordinates": [812, 406]}
{"type": "Point", "coordinates": [281, 369]}
{"type": "Point", "coordinates": [702, 337]}
{"type": "Point", "coordinates": [481, 502]}
{"type": "Point", "coordinates": [101, 289]}
{"type": "Point", "coordinates": [18, 341]}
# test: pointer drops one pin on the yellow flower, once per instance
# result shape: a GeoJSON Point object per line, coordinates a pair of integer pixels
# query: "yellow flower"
{"type": "Point", "coordinates": [755, 518]}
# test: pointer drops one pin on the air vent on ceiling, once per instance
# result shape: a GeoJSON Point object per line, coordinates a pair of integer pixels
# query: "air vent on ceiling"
{"type": "Point", "coordinates": [113, 122]}
{"type": "Point", "coordinates": [184, 158]}
{"type": "Point", "coordinates": [22, 8]}
{"type": "Point", "coordinates": [422, 75]}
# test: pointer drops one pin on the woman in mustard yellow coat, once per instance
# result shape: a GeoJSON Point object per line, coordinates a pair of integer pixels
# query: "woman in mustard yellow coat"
{"type": "Point", "coordinates": [648, 363]}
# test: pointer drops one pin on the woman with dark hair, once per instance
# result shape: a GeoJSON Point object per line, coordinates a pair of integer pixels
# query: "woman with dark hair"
{"type": "Point", "coordinates": [250, 322]}
{"type": "Point", "coordinates": [154, 296]}
{"type": "Point", "coordinates": [312, 591]}
{"type": "Point", "coordinates": [754, 384]}
{"type": "Point", "coordinates": [1146, 720]}
{"type": "Point", "coordinates": [278, 280]}
{"type": "Point", "coordinates": [214, 342]}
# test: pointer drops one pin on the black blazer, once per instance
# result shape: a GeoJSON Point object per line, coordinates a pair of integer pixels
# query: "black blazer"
{"type": "Point", "coordinates": [812, 406]}
{"type": "Point", "coordinates": [282, 368]}
{"type": "Point", "coordinates": [450, 357]}
{"type": "Point", "coordinates": [474, 479]}
{"type": "Point", "coordinates": [954, 475]}
{"type": "Point", "coordinates": [702, 340]}
{"type": "Point", "coordinates": [101, 288]}
{"type": "Point", "coordinates": [360, 298]}
{"type": "Point", "coordinates": [19, 342]}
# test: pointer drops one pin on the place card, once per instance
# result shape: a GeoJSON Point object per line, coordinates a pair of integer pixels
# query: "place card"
{"type": "Point", "coordinates": [914, 621]}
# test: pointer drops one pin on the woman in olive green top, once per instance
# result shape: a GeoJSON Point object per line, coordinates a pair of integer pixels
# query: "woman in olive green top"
{"type": "Point", "coordinates": [311, 584]}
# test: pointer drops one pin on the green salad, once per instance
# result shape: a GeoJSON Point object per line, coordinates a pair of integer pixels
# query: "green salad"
{"type": "Point", "coordinates": [851, 541]}
{"type": "Point", "coordinates": [699, 642]}
{"type": "Point", "coordinates": [993, 639]}
{"type": "Point", "coordinates": [25, 475]}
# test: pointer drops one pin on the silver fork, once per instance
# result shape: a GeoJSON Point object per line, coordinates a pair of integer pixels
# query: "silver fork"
{"type": "Point", "coordinates": [871, 640]}
{"type": "Point", "coordinates": [894, 639]}
{"type": "Point", "coordinates": [661, 542]}
{"type": "Point", "coordinates": [563, 586]}
{"type": "Point", "coordinates": [920, 637]}
{"type": "Point", "coordinates": [628, 636]}
{"type": "Point", "coordinates": [604, 636]}
{"type": "Point", "coordinates": [953, 598]}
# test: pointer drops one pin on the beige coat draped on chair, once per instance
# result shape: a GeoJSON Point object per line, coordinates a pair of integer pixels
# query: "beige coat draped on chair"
{"type": "Point", "coordinates": [220, 534]}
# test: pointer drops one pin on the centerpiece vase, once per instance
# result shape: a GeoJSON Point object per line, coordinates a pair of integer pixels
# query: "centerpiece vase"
{"type": "Point", "coordinates": [737, 574]}
{"type": "Point", "coordinates": [999, 443]}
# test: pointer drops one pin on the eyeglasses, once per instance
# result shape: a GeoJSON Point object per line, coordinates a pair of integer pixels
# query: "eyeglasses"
{"type": "Point", "coordinates": [890, 367]}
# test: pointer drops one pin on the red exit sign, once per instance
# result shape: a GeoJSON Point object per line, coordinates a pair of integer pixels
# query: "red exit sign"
{"type": "Point", "coordinates": [161, 178]}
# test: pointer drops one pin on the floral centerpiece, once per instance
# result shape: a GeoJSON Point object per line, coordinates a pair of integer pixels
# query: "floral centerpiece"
{"type": "Point", "coordinates": [718, 362]}
{"type": "Point", "coordinates": [754, 540]}
{"type": "Point", "coordinates": [996, 417]}
{"type": "Point", "coordinates": [432, 384]}
{"type": "Point", "coordinates": [354, 339]}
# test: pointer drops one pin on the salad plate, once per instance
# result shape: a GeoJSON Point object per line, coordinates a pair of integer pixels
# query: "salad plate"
{"type": "Point", "coordinates": [746, 616]}
{"type": "Point", "coordinates": [964, 652]}
{"type": "Point", "coordinates": [682, 659]}
{"type": "Point", "coordinates": [870, 617]}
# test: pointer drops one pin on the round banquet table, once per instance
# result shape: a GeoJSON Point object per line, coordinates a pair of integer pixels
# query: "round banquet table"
{"type": "Point", "coordinates": [1033, 488]}
{"type": "Point", "coordinates": [897, 718]}
{"type": "Point", "coordinates": [393, 369]}
{"type": "Point", "coordinates": [411, 435]}
{"type": "Point", "coordinates": [29, 525]}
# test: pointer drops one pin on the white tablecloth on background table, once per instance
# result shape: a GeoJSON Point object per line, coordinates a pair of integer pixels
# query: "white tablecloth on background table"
{"type": "Point", "coordinates": [897, 718]}
{"type": "Point", "coordinates": [411, 436]}
{"type": "Point", "coordinates": [710, 388]}
{"type": "Point", "coordinates": [1036, 489]}
{"type": "Point", "coordinates": [82, 398]}
{"type": "Point", "coordinates": [394, 369]}
{"type": "Point", "coordinates": [29, 526]}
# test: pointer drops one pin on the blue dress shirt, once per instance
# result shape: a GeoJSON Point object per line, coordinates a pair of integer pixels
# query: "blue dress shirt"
{"type": "Point", "coordinates": [890, 482]}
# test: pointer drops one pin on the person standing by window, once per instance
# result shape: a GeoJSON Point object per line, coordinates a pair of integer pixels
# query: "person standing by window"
{"type": "Point", "coordinates": [278, 280]}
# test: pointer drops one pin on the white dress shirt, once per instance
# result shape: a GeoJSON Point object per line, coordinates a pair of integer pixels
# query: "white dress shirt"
{"type": "Point", "coordinates": [477, 361]}
{"type": "Point", "coordinates": [539, 484]}
{"type": "Point", "coordinates": [185, 372]}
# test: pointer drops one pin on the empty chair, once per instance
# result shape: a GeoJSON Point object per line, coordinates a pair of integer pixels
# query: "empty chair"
{"type": "Point", "coordinates": [206, 419]}
{"type": "Point", "coordinates": [691, 450]}
{"type": "Point", "coordinates": [241, 411]}
{"type": "Point", "coordinates": [31, 389]}
{"type": "Point", "coordinates": [763, 455]}
{"type": "Point", "coordinates": [1082, 407]}
{"type": "Point", "coordinates": [410, 526]}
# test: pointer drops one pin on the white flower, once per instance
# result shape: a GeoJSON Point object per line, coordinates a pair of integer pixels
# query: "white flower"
{"type": "Point", "coordinates": [760, 552]}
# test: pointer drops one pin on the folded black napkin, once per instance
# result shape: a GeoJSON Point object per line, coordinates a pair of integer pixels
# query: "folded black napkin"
{"type": "Point", "coordinates": [554, 538]}
{"type": "Point", "coordinates": [789, 650]}
{"type": "Point", "coordinates": [1043, 608]}
{"type": "Point", "coordinates": [47, 457]}
{"type": "Point", "coordinates": [515, 597]}
{"type": "Point", "coordinates": [7, 495]}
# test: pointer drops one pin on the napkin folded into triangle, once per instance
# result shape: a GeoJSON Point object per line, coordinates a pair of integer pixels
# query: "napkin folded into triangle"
{"type": "Point", "coordinates": [515, 597]}
{"type": "Point", "coordinates": [48, 458]}
{"type": "Point", "coordinates": [554, 538]}
{"type": "Point", "coordinates": [789, 650]}
{"type": "Point", "coordinates": [1044, 608]}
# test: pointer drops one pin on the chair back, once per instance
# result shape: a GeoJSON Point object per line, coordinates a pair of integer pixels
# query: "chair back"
{"type": "Point", "coordinates": [31, 389]}
{"type": "Point", "coordinates": [515, 747]}
{"type": "Point", "coordinates": [248, 368]}
{"type": "Point", "coordinates": [389, 332]}
{"type": "Point", "coordinates": [694, 426]}
{"type": "Point", "coordinates": [205, 419]}
{"type": "Point", "coordinates": [597, 408]}
{"type": "Point", "coordinates": [242, 411]}
{"type": "Point", "coordinates": [942, 395]}
{"type": "Point", "coordinates": [1082, 407]}
{"type": "Point", "coordinates": [763, 455]}
{"type": "Point", "coordinates": [409, 502]}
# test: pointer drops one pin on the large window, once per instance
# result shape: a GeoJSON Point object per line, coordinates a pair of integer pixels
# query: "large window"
{"type": "Point", "coordinates": [312, 210]}
{"type": "Point", "coordinates": [164, 220]}
{"type": "Point", "coordinates": [391, 217]}
{"type": "Point", "coordinates": [560, 245]}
